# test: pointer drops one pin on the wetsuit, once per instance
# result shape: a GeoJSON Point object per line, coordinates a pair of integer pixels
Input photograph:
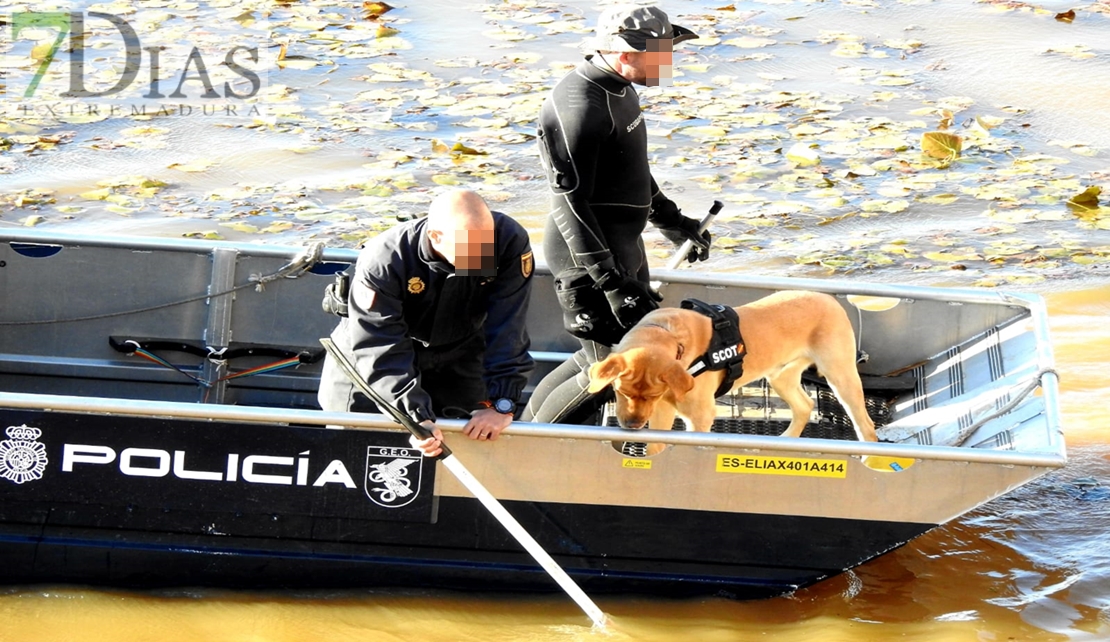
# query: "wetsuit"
{"type": "Point", "coordinates": [427, 338]}
{"type": "Point", "coordinates": [593, 144]}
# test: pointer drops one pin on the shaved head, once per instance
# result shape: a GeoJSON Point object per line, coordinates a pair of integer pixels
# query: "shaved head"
{"type": "Point", "coordinates": [459, 209]}
{"type": "Point", "coordinates": [461, 230]}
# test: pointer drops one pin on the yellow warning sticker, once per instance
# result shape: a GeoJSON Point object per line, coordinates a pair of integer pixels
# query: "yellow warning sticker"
{"type": "Point", "coordinates": [760, 465]}
{"type": "Point", "coordinates": [644, 464]}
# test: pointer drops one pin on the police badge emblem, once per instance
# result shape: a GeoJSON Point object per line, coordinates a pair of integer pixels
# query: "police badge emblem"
{"type": "Point", "coordinates": [526, 264]}
{"type": "Point", "coordinates": [22, 457]}
{"type": "Point", "coordinates": [416, 285]}
{"type": "Point", "coordinates": [393, 475]}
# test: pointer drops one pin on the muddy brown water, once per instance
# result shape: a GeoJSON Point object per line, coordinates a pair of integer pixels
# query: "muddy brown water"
{"type": "Point", "coordinates": [1034, 565]}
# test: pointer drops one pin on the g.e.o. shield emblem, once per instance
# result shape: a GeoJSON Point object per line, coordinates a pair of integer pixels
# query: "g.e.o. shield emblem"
{"type": "Point", "coordinates": [393, 475]}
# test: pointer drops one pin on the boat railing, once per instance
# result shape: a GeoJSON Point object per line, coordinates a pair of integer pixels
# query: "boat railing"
{"type": "Point", "coordinates": [330, 420]}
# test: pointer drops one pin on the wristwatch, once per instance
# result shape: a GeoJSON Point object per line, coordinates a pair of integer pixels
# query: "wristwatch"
{"type": "Point", "coordinates": [504, 405]}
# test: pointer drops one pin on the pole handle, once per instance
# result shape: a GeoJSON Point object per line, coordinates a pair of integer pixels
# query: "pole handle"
{"type": "Point", "coordinates": [688, 245]}
{"type": "Point", "coordinates": [419, 431]}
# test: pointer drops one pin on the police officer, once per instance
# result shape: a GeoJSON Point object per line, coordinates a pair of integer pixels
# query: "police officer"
{"type": "Point", "coordinates": [593, 144]}
{"type": "Point", "coordinates": [435, 320]}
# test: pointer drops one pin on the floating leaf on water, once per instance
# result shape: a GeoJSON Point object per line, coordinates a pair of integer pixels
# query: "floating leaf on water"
{"type": "Point", "coordinates": [308, 25]}
{"type": "Point", "coordinates": [890, 207]}
{"type": "Point", "coordinates": [833, 219]}
{"type": "Point", "coordinates": [1076, 52]}
{"type": "Point", "coordinates": [849, 50]}
{"type": "Point", "coordinates": [198, 165]}
{"type": "Point", "coordinates": [966, 254]}
{"type": "Point", "coordinates": [893, 82]}
{"type": "Point", "coordinates": [391, 43]}
{"type": "Point", "coordinates": [374, 9]}
{"type": "Point", "coordinates": [908, 45]}
{"type": "Point", "coordinates": [96, 194]}
{"type": "Point", "coordinates": [989, 122]}
{"type": "Point", "coordinates": [144, 130]}
{"type": "Point", "coordinates": [280, 226]}
{"type": "Point", "coordinates": [803, 155]}
{"type": "Point", "coordinates": [239, 226]}
{"type": "Point", "coordinates": [296, 62]}
{"type": "Point", "coordinates": [245, 19]}
{"type": "Point", "coordinates": [381, 191]}
{"type": "Point", "coordinates": [403, 182]}
{"type": "Point", "coordinates": [1087, 199]}
{"type": "Point", "coordinates": [211, 235]}
{"type": "Point", "coordinates": [941, 145]}
{"type": "Point", "coordinates": [459, 148]}
{"type": "Point", "coordinates": [704, 131]}
{"type": "Point", "coordinates": [515, 138]}
{"type": "Point", "coordinates": [486, 123]}
{"type": "Point", "coordinates": [509, 34]}
{"type": "Point", "coordinates": [445, 179]}
{"type": "Point", "coordinates": [1067, 16]}
{"type": "Point", "coordinates": [939, 199]}
{"type": "Point", "coordinates": [385, 32]}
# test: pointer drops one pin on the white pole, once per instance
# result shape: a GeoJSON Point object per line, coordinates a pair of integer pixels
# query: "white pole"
{"type": "Point", "coordinates": [527, 541]}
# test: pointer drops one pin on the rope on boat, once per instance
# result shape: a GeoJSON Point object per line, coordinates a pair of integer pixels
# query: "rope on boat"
{"type": "Point", "coordinates": [277, 365]}
{"type": "Point", "coordinates": [216, 356]}
{"type": "Point", "coordinates": [300, 263]}
{"type": "Point", "coordinates": [150, 356]}
{"type": "Point", "coordinates": [1033, 384]}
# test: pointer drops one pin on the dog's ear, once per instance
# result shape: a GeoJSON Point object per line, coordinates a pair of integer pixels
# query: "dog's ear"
{"type": "Point", "coordinates": [604, 372]}
{"type": "Point", "coordinates": [678, 380]}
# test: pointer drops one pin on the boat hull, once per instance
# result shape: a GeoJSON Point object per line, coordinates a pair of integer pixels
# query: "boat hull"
{"type": "Point", "coordinates": [208, 462]}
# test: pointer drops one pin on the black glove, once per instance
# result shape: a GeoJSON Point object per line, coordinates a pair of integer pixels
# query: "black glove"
{"type": "Point", "coordinates": [686, 229]}
{"type": "Point", "coordinates": [630, 300]}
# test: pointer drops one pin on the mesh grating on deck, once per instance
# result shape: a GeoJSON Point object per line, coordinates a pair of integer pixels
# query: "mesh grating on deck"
{"type": "Point", "coordinates": [755, 409]}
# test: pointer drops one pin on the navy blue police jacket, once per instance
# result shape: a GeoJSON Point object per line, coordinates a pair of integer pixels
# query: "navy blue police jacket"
{"type": "Point", "coordinates": [401, 292]}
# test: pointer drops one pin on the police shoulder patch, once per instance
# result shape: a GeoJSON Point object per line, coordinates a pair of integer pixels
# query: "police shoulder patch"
{"type": "Point", "coordinates": [363, 297]}
{"type": "Point", "coordinates": [526, 264]}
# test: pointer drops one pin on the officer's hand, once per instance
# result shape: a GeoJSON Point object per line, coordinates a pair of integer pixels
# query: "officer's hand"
{"type": "Point", "coordinates": [631, 300]}
{"type": "Point", "coordinates": [486, 424]}
{"type": "Point", "coordinates": [432, 446]}
{"type": "Point", "coordinates": [687, 230]}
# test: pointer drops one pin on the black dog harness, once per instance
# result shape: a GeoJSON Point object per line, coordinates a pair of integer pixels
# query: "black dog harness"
{"type": "Point", "coordinates": [726, 346]}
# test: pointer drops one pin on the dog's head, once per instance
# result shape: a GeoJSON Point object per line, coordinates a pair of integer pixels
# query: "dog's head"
{"type": "Point", "coordinates": [641, 378]}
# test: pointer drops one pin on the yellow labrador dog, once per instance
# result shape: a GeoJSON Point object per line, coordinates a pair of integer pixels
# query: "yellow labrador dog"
{"type": "Point", "coordinates": [784, 334]}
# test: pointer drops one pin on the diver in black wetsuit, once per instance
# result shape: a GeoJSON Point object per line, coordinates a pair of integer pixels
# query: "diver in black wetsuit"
{"type": "Point", "coordinates": [593, 144]}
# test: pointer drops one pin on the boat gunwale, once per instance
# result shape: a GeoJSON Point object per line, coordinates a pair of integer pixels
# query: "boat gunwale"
{"type": "Point", "coordinates": [1033, 304]}
{"type": "Point", "coordinates": [319, 419]}
{"type": "Point", "coordinates": [831, 286]}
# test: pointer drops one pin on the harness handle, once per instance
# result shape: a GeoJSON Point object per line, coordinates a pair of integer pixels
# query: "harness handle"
{"type": "Point", "coordinates": [726, 346]}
